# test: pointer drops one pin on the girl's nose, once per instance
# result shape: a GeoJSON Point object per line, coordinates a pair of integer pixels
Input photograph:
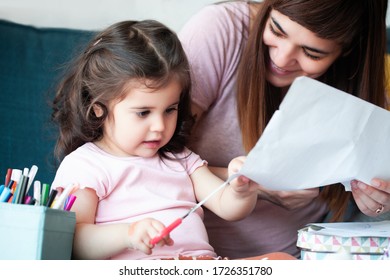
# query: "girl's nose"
{"type": "Point", "coordinates": [158, 124]}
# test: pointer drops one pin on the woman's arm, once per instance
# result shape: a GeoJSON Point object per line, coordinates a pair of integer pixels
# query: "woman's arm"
{"type": "Point", "coordinates": [221, 172]}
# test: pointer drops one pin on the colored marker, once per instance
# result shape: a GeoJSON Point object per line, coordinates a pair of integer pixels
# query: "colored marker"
{"type": "Point", "coordinates": [29, 200]}
{"type": "Point", "coordinates": [37, 192]}
{"type": "Point", "coordinates": [20, 189]}
{"type": "Point", "coordinates": [52, 196]}
{"type": "Point", "coordinates": [70, 202]}
{"type": "Point", "coordinates": [22, 193]}
{"type": "Point", "coordinates": [60, 201]}
{"type": "Point", "coordinates": [45, 194]}
{"type": "Point", "coordinates": [31, 176]}
{"type": "Point", "coordinates": [8, 176]}
{"type": "Point", "coordinates": [25, 171]}
{"type": "Point", "coordinates": [15, 176]}
{"type": "Point", "coordinates": [5, 195]}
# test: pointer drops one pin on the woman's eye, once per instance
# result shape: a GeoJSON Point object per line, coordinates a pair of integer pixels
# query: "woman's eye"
{"type": "Point", "coordinates": [143, 114]}
{"type": "Point", "coordinates": [273, 31]}
{"type": "Point", "coordinates": [309, 55]}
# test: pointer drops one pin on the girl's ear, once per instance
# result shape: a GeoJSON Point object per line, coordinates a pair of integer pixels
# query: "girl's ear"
{"type": "Point", "coordinates": [98, 110]}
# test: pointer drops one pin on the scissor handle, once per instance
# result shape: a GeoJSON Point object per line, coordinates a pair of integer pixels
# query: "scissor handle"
{"type": "Point", "coordinates": [166, 231]}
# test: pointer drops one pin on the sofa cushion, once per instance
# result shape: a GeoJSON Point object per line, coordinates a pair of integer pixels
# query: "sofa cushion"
{"type": "Point", "coordinates": [31, 62]}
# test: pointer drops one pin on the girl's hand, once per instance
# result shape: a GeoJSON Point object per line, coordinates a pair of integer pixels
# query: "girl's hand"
{"type": "Point", "coordinates": [142, 232]}
{"type": "Point", "coordinates": [373, 200]}
{"type": "Point", "coordinates": [242, 184]}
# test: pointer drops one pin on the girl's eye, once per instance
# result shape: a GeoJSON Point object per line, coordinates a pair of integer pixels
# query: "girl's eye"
{"type": "Point", "coordinates": [273, 31]}
{"type": "Point", "coordinates": [143, 114]}
{"type": "Point", "coordinates": [171, 110]}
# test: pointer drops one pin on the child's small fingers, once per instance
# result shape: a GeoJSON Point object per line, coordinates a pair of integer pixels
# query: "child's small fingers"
{"type": "Point", "coordinates": [243, 179]}
{"type": "Point", "coordinates": [168, 241]}
{"type": "Point", "coordinates": [235, 165]}
{"type": "Point", "coordinates": [146, 249]}
{"type": "Point", "coordinates": [144, 246]}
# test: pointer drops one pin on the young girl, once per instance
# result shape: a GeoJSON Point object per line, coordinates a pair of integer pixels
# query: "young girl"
{"type": "Point", "coordinates": [124, 117]}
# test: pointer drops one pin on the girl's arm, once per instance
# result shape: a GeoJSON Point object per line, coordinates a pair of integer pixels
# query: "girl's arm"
{"type": "Point", "coordinates": [234, 202]}
{"type": "Point", "coordinates": [92, 241]}
{"type": "Point", "coordinates": [103, 241]}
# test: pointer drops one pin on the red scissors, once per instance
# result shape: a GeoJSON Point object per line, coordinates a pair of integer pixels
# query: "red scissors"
{"type": "Point", "coordinates": [178, 221]}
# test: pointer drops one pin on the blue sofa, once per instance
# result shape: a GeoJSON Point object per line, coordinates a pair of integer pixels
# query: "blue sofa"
{"type": "Point", "coordinates": [31, 61]}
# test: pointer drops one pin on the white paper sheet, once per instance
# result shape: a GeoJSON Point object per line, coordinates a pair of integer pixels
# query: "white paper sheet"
{"type": "Point", "coordinates": [320, 136]}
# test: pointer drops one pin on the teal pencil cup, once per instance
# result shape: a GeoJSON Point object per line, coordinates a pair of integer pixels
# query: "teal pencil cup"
{"type": "Point", "coordinates": [30, 232]}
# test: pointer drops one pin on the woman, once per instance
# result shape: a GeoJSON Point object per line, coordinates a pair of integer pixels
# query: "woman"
{"type": "Point", "coordinates": [244, 56]}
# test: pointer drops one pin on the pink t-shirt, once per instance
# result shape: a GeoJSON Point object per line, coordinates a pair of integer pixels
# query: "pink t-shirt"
{"type": "Point", "coordinates": [133, 188]}
{"type": "Point", "coordinates": [213, 40]}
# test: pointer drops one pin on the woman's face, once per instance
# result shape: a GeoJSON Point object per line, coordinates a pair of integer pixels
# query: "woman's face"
{"type": "Point", "coordinates": [295, 51]}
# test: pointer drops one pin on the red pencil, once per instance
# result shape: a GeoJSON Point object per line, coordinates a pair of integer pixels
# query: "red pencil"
{"type": "Point", "coordinates": [8, 176]}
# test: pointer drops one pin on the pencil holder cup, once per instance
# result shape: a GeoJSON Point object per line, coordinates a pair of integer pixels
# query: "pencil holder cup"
{"type": "Point", "coordinates": [35, 232]}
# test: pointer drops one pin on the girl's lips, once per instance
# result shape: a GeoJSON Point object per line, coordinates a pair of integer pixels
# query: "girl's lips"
{"type": "Point", "coordinates": [152, 144]}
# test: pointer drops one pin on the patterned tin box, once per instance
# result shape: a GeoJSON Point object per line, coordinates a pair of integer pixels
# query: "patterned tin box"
{"type": "Point", "coordinates": [354, 240]}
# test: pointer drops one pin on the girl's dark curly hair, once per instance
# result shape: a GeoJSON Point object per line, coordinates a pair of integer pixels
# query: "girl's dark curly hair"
{"type": "Point", "coordinates": [127, 51]}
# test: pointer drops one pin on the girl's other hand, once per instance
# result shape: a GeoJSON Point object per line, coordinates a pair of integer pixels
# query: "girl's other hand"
{"type": "Point", "coordinates": [141, 233]}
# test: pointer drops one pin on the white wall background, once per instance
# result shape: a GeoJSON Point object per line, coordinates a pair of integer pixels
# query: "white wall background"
{"type": "Point", "coordinates": [97, 14]}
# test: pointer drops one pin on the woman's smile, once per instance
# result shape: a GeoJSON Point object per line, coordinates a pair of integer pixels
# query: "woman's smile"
{"type": "Point", "coordinates": [277, 70]}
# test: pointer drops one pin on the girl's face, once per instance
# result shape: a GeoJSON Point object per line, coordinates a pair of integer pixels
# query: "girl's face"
{"type": "Point", "coordinates": [141, 123]}
{"type": "Point", "coordinates": [295, 51]}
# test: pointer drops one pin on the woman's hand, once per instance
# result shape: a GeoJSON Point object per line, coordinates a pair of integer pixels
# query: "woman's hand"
{"type": "Point", "coordinates": [143, 231]}
{"type": "Point", "coordinates": [373, 200]}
